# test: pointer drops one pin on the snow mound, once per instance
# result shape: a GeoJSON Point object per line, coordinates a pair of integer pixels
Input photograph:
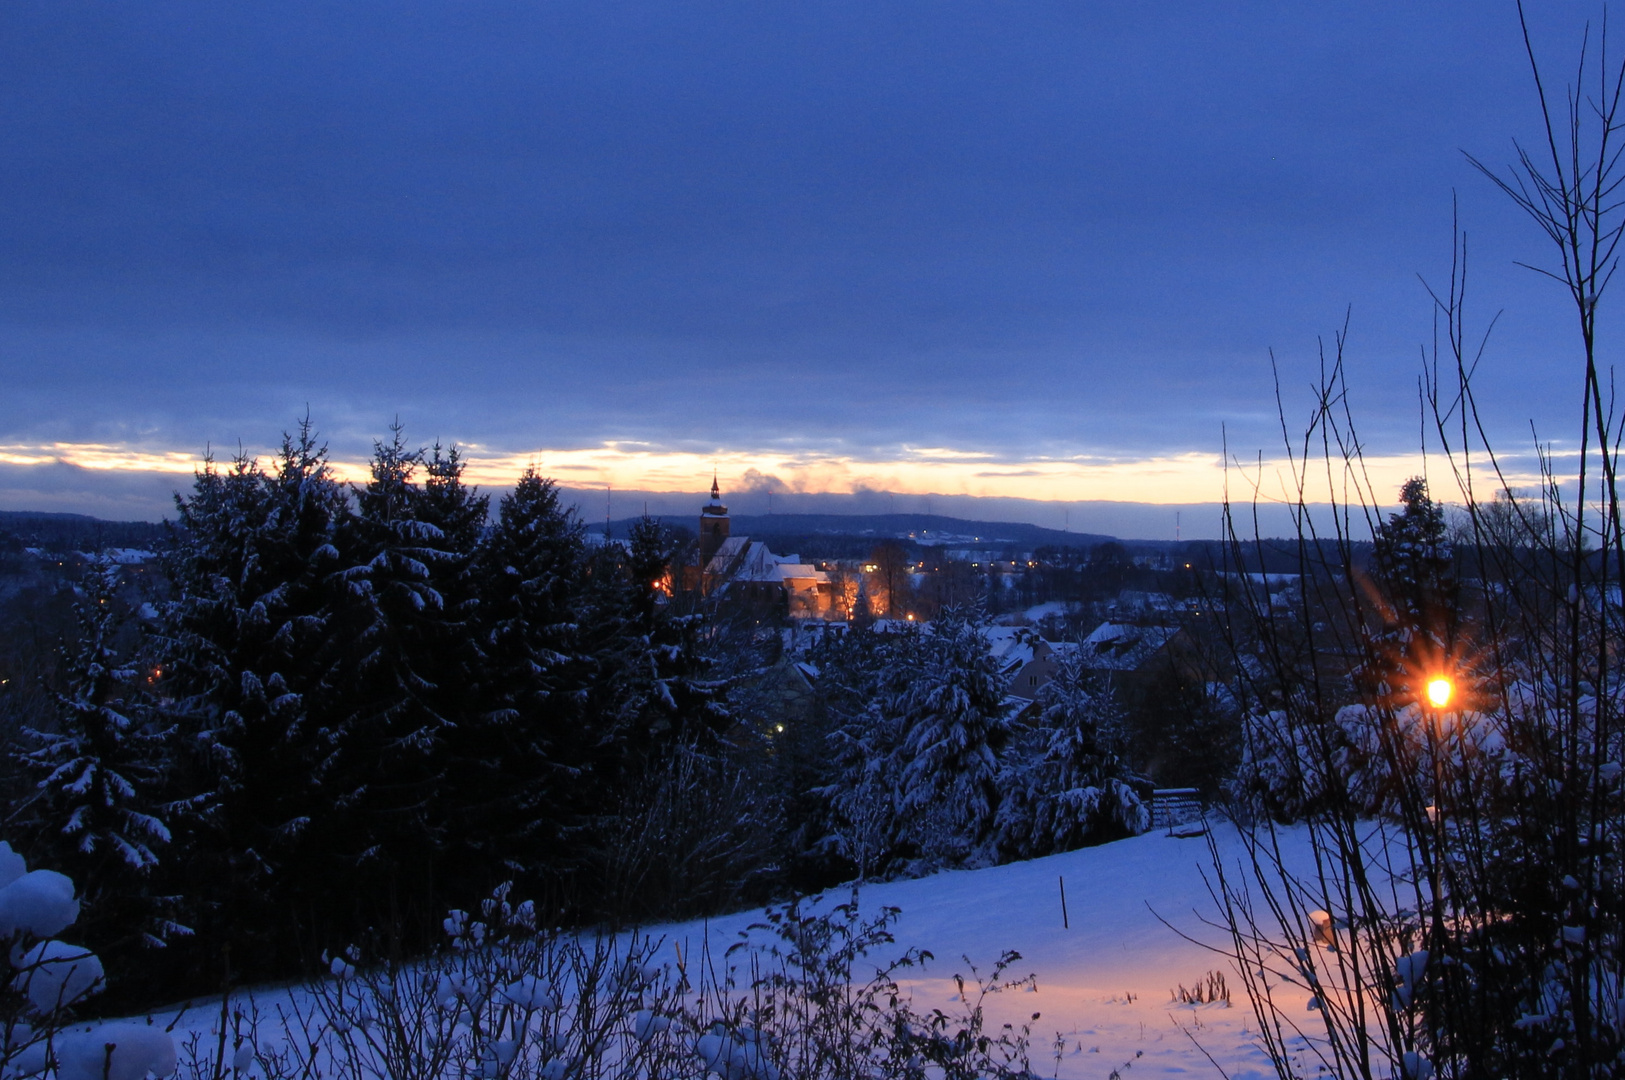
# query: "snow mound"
{"type": "Point", "coordinates": [39, 903]}
{"type": "Point", "coordinates": [54, 974]}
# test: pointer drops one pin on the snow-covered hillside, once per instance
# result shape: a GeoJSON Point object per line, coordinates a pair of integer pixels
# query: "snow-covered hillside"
{"type": "Point", "coordinates": [1104, 982]}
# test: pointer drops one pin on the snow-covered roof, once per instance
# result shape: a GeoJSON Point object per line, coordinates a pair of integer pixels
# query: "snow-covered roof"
{"type": "Point", "coordinates": [1124, 646]}
{"type": "Point", "coordinates": [758, 563]}
{"type": "Point", "coordinates": [1015, 646]}
{"type": "Point", "coordinates": [1047, 608]}
{"type": "Point", "coordinates": [121, 556]}
{"type": "Point", "coordinates": [1270, 580]}
{"type": "Point", "coordinates": [731, 549]}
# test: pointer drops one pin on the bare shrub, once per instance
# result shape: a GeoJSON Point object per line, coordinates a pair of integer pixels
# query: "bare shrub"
{"type": "Point", "coordinates": [1457, 911]}
{"type": "Point", "coordinates": [795, 997]}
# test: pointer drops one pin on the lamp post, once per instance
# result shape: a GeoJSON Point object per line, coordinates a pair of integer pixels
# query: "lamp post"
{"type": "Point", "coordinates": [1437, 696]}
{"type": "Point", "coordinates": [1438, 693]}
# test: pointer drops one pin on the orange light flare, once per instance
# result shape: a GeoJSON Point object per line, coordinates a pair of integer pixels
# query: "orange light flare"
{"type": "Point", "coordinates": [1439, 691]}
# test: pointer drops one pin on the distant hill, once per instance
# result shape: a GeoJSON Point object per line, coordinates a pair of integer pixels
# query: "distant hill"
{"type": "Point", "coordinates": [79, 532]}
{"type": "Point", "coordinates": [794, 530]}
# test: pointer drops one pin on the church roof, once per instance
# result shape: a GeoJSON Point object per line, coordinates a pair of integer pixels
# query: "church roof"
{"type": "Point", "coordinates": [722, 563]}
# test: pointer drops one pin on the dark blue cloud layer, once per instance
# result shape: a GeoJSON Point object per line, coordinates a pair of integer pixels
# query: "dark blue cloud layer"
{"type": "Point", "coordinates": [1024, 228]}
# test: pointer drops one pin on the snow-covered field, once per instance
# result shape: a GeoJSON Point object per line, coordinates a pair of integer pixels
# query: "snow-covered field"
{"type": "Point", "coordinates": [1104, 982]}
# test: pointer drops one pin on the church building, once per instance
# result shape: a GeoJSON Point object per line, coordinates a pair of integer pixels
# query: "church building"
{"type": "Point", "coordinates": [741, 570]}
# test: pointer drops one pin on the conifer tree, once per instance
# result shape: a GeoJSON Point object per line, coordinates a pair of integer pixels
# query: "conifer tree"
{"type": "Point", "coordinates": [917, 767]}
{"type": "Point", "coordinates": [649, 551]}
{"type": "Point", "coordinates": [653, 682]}
{"type": "Point", "coordinates": [1414, 567]}
{"type": "Point", "coordinates": [953, 725]}
{"type": "Point", "coordinates": [525, 746]}
{"type": "Point", "coordinates": [387, 705]}
{"type": "Point", "coordinates": [1064, 784]}
{"type": "Point", "coordinates": [457, 665]}
{"type": "Point", "coordinates": [247, 649]}
{"type": "Point", "coordinates": [459, 512]}
{"type": "Point", "coordinates": [102, 770]}
{"type": "Point", "coordinates": [862, 797]}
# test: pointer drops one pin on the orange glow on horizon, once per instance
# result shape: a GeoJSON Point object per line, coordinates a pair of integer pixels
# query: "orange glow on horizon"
{"type": "Point", "coordinates": [923, 471]}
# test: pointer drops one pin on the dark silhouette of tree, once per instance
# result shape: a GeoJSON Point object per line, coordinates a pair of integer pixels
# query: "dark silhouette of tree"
{"type": "Point", "coordinates": [891, 589]}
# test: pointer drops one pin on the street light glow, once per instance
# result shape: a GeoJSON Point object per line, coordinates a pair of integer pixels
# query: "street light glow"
{"type": "Point", "coordinates": [1439, 691]}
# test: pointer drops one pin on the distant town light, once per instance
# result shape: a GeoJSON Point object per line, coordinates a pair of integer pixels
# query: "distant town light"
{"type": "Point", "coordinates": [1439, 691]}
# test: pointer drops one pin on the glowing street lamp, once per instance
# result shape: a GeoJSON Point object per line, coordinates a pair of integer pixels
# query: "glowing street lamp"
{"type": "Point", "coordinates": [1439, 691]}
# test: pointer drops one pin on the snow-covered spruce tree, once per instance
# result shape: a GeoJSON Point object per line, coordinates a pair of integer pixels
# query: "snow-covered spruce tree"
{"type": "Point", "coordinates": [916, 768]}
{"type": "Point", "coordinates": [514, 764]}
{"type": "Point", "coordinates": [459, 512]}
{"type": "Point", "coordinates": [387, 698]}
{"type": "Point", "coordinates": [654, 680]}
{"type": "Point", "coordinates": [844, 824]}
{"type": "Point", "coordinates": [101, 770]}
{"type": "Point", "coordinates": [861, 826]}
{"type": "Point", "coordinates": [458, 668]}
{"type": "Point", "coordinates": [246, 648]}
{"type": "Point", "coordinates": [677, 824]}
{"type": "Point", "coordinates": [649, 551]}
{"type": "Point", "coordinates": [953, 724]}
{"type": "Point", "coordinates": [1062, 782]}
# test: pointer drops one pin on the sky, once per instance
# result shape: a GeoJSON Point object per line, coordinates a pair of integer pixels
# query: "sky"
{"type": "Point", "coordinates": [1031, 257]}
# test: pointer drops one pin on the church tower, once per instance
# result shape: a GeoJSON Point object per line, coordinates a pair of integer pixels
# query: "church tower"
{"type": "Point", "coordinates": [713, 525]}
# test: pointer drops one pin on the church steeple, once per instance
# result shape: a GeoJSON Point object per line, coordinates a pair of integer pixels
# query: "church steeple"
{"type": "Point", "coordinates": [713, 524]}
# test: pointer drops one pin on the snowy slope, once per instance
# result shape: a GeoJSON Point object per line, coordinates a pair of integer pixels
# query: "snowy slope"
{"type": "Point", "coordinates": [1103, 983]}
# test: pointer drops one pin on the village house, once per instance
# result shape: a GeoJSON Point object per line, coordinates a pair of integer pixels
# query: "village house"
{"type": "Point", "coordinates": [1025, 658]}
{"type": "Point", "coordinates": [1134, 658]}
{"type": "Point", "coordinates": [1129, 656]}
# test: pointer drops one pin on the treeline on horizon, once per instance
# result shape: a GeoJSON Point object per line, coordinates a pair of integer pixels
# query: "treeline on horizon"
{"type": "Point", "coordinates": [78, 533]}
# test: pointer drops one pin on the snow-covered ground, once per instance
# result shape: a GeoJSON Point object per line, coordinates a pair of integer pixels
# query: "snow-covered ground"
{"type": "Point", "coordinates": [1104, 982]}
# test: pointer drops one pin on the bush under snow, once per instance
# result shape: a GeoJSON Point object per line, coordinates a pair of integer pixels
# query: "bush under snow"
{"type": "Point", "coordinates": [51, 977]}
{"type": "Point", "coordinates": [38, 904]}
{"type": "Point", "coordinates": [54, 974]}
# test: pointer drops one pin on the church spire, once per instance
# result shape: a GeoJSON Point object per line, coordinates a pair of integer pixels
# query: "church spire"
{"type": "Point", "coordinates": [713, 524]}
